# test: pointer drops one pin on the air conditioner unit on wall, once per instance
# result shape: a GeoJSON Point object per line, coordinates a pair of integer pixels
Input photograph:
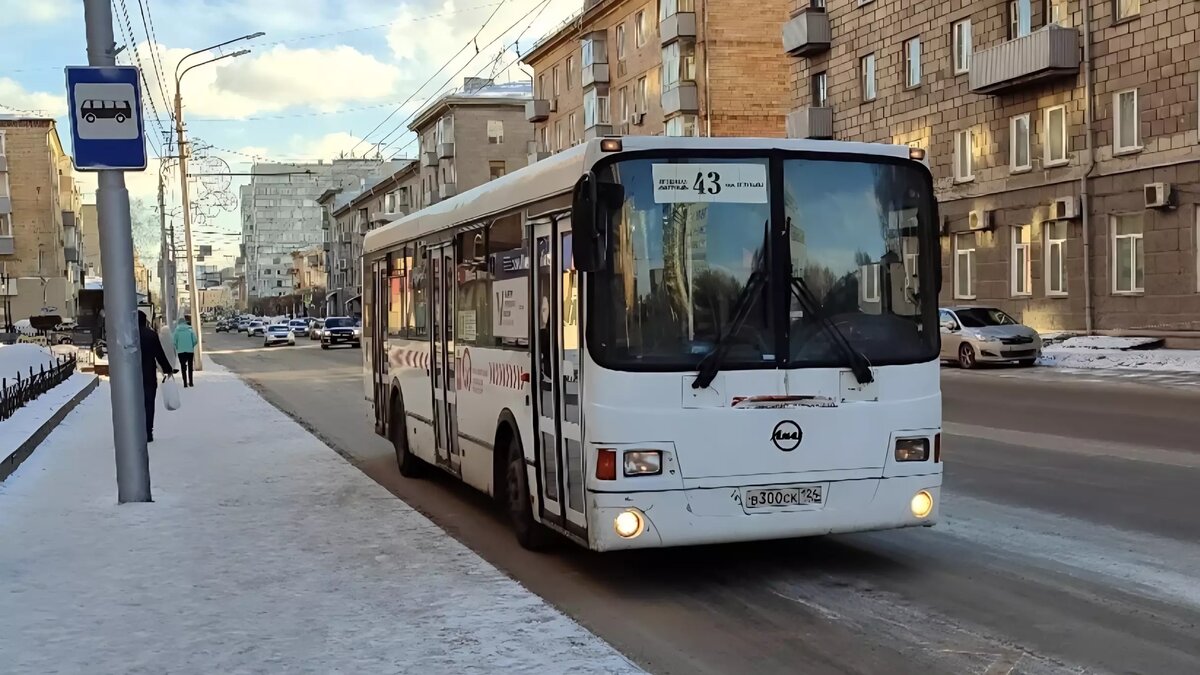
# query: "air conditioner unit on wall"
{"type": "Point", "coordinates": [1159, 195]}
{"type": "Point", "coordinates": [636, 119]}
{"type": "Point", "coordinates": [1064, 208]}
{"type": "Point", "coordinates": [979, 219]}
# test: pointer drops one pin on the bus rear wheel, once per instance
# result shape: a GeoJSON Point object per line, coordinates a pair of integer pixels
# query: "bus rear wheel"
{"type": "Point", "coordinates": [530, 533]}
{"type": "Point", "coordinates": [410, 465]}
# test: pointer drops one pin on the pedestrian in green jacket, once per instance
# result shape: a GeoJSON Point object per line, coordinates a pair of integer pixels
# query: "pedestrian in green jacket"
{"type": "Point", "coordinates": [185, 347]}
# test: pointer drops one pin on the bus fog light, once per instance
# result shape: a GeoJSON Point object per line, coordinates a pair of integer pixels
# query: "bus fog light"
{"type": "Point", "coordinates": [912, 449]}
{"type": "Point", "coordinates": [629, 524]}
{"type": "Point", "coordinates": [642, 462]}
{"type": "Point", "coordinates": [922, 504]}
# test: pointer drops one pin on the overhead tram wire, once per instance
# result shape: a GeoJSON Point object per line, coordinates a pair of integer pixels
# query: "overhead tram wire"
{"type": "Point", "coordinates": [147, 25]}
{"type": "Point", "coordinates": [131, 45]}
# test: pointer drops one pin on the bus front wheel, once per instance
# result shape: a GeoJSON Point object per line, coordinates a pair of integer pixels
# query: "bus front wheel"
{"type": "Point", "coordinates": [410, 465]}
{"type": "Point", "coordinates": [530, 533]}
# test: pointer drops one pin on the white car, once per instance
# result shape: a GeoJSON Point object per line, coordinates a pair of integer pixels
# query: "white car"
{"type": "Point", "coordinates": [278, 333]}
{"type": "Point", "coordinates": [256, 328]}
{"type": "Point", "coordinates": [299, 327]}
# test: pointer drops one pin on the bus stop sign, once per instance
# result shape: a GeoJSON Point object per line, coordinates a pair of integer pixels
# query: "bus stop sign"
{"type": "Point", "coordinates": [106, 118]}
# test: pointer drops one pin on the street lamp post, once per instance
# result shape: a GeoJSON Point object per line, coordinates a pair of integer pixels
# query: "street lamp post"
{"type": "Point", "coordinates": [193, 290]}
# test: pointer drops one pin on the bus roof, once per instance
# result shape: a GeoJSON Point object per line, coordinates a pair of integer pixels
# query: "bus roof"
{"type": "Point", "coordinates": [558, 173]}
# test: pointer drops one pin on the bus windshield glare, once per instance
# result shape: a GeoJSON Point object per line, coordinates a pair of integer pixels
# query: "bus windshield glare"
{"type": "Point", "coordinates": [857, 236]}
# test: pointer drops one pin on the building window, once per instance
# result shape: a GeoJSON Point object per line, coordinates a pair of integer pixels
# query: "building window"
{"type": "Point", "coordinates": [641, 96]}
{"type": "Point", "coordinates": [681, 125]}
{"type": "Point", "coordinates": [1018, 144]}
{"type": "Point", "coordinates": [1055, 129]}
{"type": "Point", "coordinates": [594, 51]}
{"type": "Point", "coordinates": [640, 29]}
{"type": "Point", "coordinates": [817, 85]}
{"type": "Point", "coordinates": [1125, 9]}
{"type": "Point", "coordinates": [1020, 19]}
{"type": "Point", "coordinates": [620, 40]}
{"type": "Point", "coordinates": [964, 266]}
{"type": "Point", "coordinates": [1056, 257]}
{"type": "Point", "coordinates": [558, 135]}
{"type": "Point", "coordinates": [541, 86]}
{"type": "Point", "coordinates": [1128, 254]}
{"type": "Point", "coordinates": [678, 63]}
{"type": "Point", "coordinates": [962, 47]}
{"type": "Point", "coordinates": [595, 109]}
{"type": "Point", "coordinates": [866, 68]}
{"type": "Point", "coordinates": [668, 8]}
{"type": "Point", "coordinates": [1022, 268]}
{"type": "Point", "coordinates": [572, 121]}
{"type": "Point", "coordinates": [495, 132]}
{"type": "Point", "coordinates": [1053, 12]}
{"type": "Point", "coordinates": [912, 62]}
{"type": "Point", "coordinates": [963, 150]}
{"type": "Point", "coordinates": [445, 129]}
{"type": "Point", "coordinates": [1125, 123]}
{"type": "Point", "coordinates": [496, 169]}
{"type": "Point", "coordinates": [623, 105]}
{"type": "Point", "coordinates": [868, 282]}
{"type": "Point", "coordinates": [557, 79]}
{"type": "Point", "coordinates": [570, 71]}
{"type": "Point", "coordinates": [544, 135]}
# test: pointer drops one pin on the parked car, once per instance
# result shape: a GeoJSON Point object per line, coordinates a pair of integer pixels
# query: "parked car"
{"type": "Point", "coordinates": [256, 327]}
{"type": "Point", "coordinates": [243, 325]}
{"type": "Point", "coordinates": [278, 333]}
{"type": "Point", "coordinates": [314, 332]}
{"type": "Point", "coordinates": [974, 335]}
{"type": "Point", "coordinates": [340, 330]}
{"type": "Point", "coordinates": [299, 327]}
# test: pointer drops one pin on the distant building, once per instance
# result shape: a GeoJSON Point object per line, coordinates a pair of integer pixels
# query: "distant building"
{"type": "Point", "coordinates": [89, 226]}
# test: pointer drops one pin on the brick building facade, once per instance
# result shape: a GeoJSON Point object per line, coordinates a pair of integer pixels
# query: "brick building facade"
{"type": "Point", "coordinates": [675, 67]}
{"type": "Point", "coordinates": [1062, 135]}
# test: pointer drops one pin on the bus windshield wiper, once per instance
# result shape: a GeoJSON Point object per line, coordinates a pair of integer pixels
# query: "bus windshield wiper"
{"type": "Point", "coordinates": [710, 365]}
{"type": "Point", "coordinates": [859, 364]}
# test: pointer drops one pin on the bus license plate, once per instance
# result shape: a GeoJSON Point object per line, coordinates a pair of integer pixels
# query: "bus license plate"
{"type": "Point", "coordinates": [804, 495]}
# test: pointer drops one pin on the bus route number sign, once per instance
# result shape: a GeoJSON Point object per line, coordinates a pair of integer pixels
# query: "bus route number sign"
{"type": "Point", "coordinates": [693, 183]}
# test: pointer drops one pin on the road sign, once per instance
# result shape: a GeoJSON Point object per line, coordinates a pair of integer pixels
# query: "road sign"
{"type": "Point", "coordinates": [106, 118]}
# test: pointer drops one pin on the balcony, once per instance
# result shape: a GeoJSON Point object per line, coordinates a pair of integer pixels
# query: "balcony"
{"type": "Point", "coordinates": [682, 98]}
{"type": "Point", "coordinates": [72, 254]}
{"type": "Point", "coordinates": [597, 131]}
{"type": "Point", "coordinates": [1045, 54]}
{"type": "Point", "coordinates": [445, 150]}
{"type": "Point", "coordinates": [538, 155]}
{"type": "Point", "coordinates": [429, 159]}
{"type": "Point", "coordinates": [8, 244]}
{"type": "Point", "coordinates": [345, 237]}
{"type": "Point", "coordinates": [807, 33]}
{"type": "Point", "coordinates": [537, 110]}
{"type": "Point", "coordinates": [596, 73]}
{"type": "Point", "coordinates": [680, 24]}
{"type": "Point", "coordinates": [446, 191]}
{"type": "Point", "coordinates": [810, 123]}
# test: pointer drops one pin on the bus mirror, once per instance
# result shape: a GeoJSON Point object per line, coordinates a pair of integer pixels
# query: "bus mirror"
{"type": "Point", "coordinates": [584, 212]}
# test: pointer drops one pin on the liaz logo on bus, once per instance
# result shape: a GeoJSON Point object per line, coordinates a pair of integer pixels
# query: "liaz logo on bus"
{"type": "Point", "coordinates": [787, 435]}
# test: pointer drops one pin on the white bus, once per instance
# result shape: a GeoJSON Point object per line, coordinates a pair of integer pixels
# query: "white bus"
{"type": "Point", "coordinates": [654, 341]}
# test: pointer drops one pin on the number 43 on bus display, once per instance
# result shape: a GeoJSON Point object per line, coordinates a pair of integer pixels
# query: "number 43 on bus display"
{"type": "Point", "coordinates": [707, 184]}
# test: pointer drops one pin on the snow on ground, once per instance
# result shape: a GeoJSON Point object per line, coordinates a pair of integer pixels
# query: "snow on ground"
{"type": "Point", "coordinates": [1182, 360]}
{"type": "Point", "coordinates": [21, 357]}
{"type": "Point", "coordinates": [1107, 342]}
{"type": "Point", "coordinates": [264, 551]}
{"type": "Point", "coordinates": [17, 429]}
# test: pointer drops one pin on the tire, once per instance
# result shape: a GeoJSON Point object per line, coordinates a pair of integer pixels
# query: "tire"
{"type": "Point", "coordinates": [120, 119]}
{"type": "Point", "coordinates": [324, 346]}
{"type": "Point", "coordinates": [531, 535]}
{"type": "Point", "coordinates": [409, 464]}
{"type": "Point", "coordinates": [966, 356]}
{"type": "Point", "coordinates": [90, 118]}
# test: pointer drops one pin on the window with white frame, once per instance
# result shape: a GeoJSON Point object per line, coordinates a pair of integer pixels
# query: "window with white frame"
{"type": "Point", "coordinates": [544, 134]}
{"type": "Point", "coordinates": [912, 62]}
{"type": "Point", "coordinates": [570, 71]}
{"type": "Point", "coordinates": [868, 282]}
{"type": "Point", "coordinates": [572, 126]}
{"type": "Point", "coordinates": [681, 125]}
{"type": "Point", "coordinates": [1018, 144]}
{"type": "Point", "coordinates": [557, 76]}
{"type": "Point", "coordinates": [495, 132]}
{"type": "Point", "coordinates": [1022, 267]}
{"type": "Point", "coordinates": [1128, 254]}
{"type": "Point", "coordinates": [561, 141]}
{"type": "Point", "coordinates": [541, 86]}
{"type": "Point", "coordinates": [619, 39]}
{"type": "Point", "coordinates": [595, 109]}
{"type": "Point", "coordinates": [1053, 11]}
{"type": "Point", "coordinates": [1125, 9]}
{"type": "Point", "coordinates": [1056, 257]}
{"type": "Point", "coordinates": [445, 129]}
{"type": "Point", "coordinates": [962, 46]}
{"type": "Point", "coordinates": [1055, 135]}
{"type": "Point", "coordinates": [1020, 18]}
{"type": "Point", "coordinates": [641, 95]}
{"type": "Point", "coordinates": [623, 105]}
{"type": "Point", "coordinates": [963, 150]}
{"type": "Point", "coordinates": [1125, 121]}
{"type": "Point", "coordinates": [640, 29]}
{"type": "Point", "coordinates": [595, 50]}
{"type": "Point", "coordinates": [678, 63]}
{"type": "Point", "coordinates": [866, 68]}
{"type": "Point", "coordinates": [964, 266]}
{"type": "Point", "coordinates": [667, 8]}
{"type": "Point", "coordinates": [818, 84]}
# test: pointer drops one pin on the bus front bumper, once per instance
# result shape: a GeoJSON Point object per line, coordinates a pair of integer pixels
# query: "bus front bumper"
{"type": "Point", "coordinates": [716, 515]}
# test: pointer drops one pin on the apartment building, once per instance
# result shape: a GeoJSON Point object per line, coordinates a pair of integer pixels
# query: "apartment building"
{"type": "Point", "coordinates": [280, 215]}
{"type": "Point", "coordinates": [472, 136]}
{"type": "Point", "coordinates": [673, 67]}
{"type": "Point", "coordinates": [89, 227]}
{"type": "Point", "coordinates": [41, 248]}
{"type": "Point", "coordinates": [1062, 135]}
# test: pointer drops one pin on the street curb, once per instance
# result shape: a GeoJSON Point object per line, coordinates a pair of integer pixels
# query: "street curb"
{"type": "Point", "coordinates": [22, 453]}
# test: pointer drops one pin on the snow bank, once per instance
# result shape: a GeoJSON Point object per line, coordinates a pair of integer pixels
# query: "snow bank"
{"type": "Point", "coordinates": [19, 358]}
{"type": "Point", "coordinates": [1106, 342]}
{"type": "Point", "coordinates": [1180, 360]}
{"type": "Point", "coordinates": [30, 417]}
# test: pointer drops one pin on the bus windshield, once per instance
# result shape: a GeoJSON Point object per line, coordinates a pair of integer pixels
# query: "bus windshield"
{"type": "Point", "coordinates": [692, 233]}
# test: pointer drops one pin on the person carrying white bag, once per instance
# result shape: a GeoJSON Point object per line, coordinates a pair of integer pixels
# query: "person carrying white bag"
{"type": "Point", "coordinates": [152, 355]}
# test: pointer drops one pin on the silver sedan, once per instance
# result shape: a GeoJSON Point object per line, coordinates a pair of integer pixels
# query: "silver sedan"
{"type": "Point", "coordinates": [974, 335]}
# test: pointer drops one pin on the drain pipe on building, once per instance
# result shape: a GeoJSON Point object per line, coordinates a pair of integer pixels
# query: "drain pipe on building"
{"type": "Point", "coordinates": [707, 57]}
{"type": "Point", "coordinates": [1084, 199]}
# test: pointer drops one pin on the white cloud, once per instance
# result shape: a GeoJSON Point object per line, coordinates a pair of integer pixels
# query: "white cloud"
{"type": "Point", "coordinates": [13, 95]}
{"type": "Point", "coordinates": [35, 11]}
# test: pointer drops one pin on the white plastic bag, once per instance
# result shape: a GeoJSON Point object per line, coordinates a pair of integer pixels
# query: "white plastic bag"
{"type": "Point", "coordinates": [170, 394]}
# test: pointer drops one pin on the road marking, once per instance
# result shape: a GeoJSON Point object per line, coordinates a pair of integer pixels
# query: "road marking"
{"type": "Point", "coordinates": [1075, 446]}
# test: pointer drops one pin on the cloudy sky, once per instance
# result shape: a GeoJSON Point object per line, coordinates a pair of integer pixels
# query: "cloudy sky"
{"type": "Point", "coordinates": [320, 83]}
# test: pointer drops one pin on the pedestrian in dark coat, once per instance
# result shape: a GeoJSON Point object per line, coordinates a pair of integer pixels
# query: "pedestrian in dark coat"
{"type": "Point", "coordinates": [152, 355]}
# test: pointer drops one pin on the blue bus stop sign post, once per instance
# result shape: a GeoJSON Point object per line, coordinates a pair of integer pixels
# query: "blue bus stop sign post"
{"type": "Point", "coordinates": [107, 132]}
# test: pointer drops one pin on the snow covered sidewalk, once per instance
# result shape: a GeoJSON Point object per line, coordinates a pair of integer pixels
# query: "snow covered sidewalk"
{"type": "Point", "coordinates": [1122, 353]}
{"type": "Point", "coordinates": [263, 552]}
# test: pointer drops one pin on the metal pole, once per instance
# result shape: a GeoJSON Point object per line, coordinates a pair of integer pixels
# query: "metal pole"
{"type": "Point", "coordinates": [120, 295]}
{"type": "Point", "coordinates": [164, 266]}
{"type": "Point", "coordinates": [193, 290]}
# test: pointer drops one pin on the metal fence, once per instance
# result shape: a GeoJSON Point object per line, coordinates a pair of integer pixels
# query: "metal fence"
{"type": "Point", "coordinates": [16, 393]}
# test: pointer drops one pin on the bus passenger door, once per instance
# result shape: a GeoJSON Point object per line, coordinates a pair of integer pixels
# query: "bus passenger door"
{"type": "Point", "coordinates": [442, 291]}
{"type": "Point", "coordinates": [375, 333]}
{"type": "Point", "coordinates": [555, 374]}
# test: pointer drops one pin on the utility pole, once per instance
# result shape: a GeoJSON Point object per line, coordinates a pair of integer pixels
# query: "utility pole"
{"type": "Point", "coordinates": [120, 294]}
{"type": "Point", "coordinates": [164, 255]}
{"type": "Point", "coordinates": [193, 290]}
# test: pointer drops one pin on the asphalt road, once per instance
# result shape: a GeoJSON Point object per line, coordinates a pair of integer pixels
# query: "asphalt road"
{"type": "Point", "coordinates": [1069, 542]}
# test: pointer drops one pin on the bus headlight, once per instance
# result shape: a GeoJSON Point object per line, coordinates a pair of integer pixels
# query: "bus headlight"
{"type": "Point", "coordinates": [912, 449]}
{"type": "Point", "coordinates": [922, 504]}
{"type": "Point", "coordinates": [629, 524]}
{"type": "Point", "coordinates": [642, 462]}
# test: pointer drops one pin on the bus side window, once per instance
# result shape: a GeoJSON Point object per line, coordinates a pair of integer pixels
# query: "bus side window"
{"type": "Point", "coordinates": [420, 294]}
{"type": "Point", "coordinates": [509, 274]}
{"type": "Point", "coordinates": [474, 324]}
{"type": "Point", "coordinates": [395, 291]}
